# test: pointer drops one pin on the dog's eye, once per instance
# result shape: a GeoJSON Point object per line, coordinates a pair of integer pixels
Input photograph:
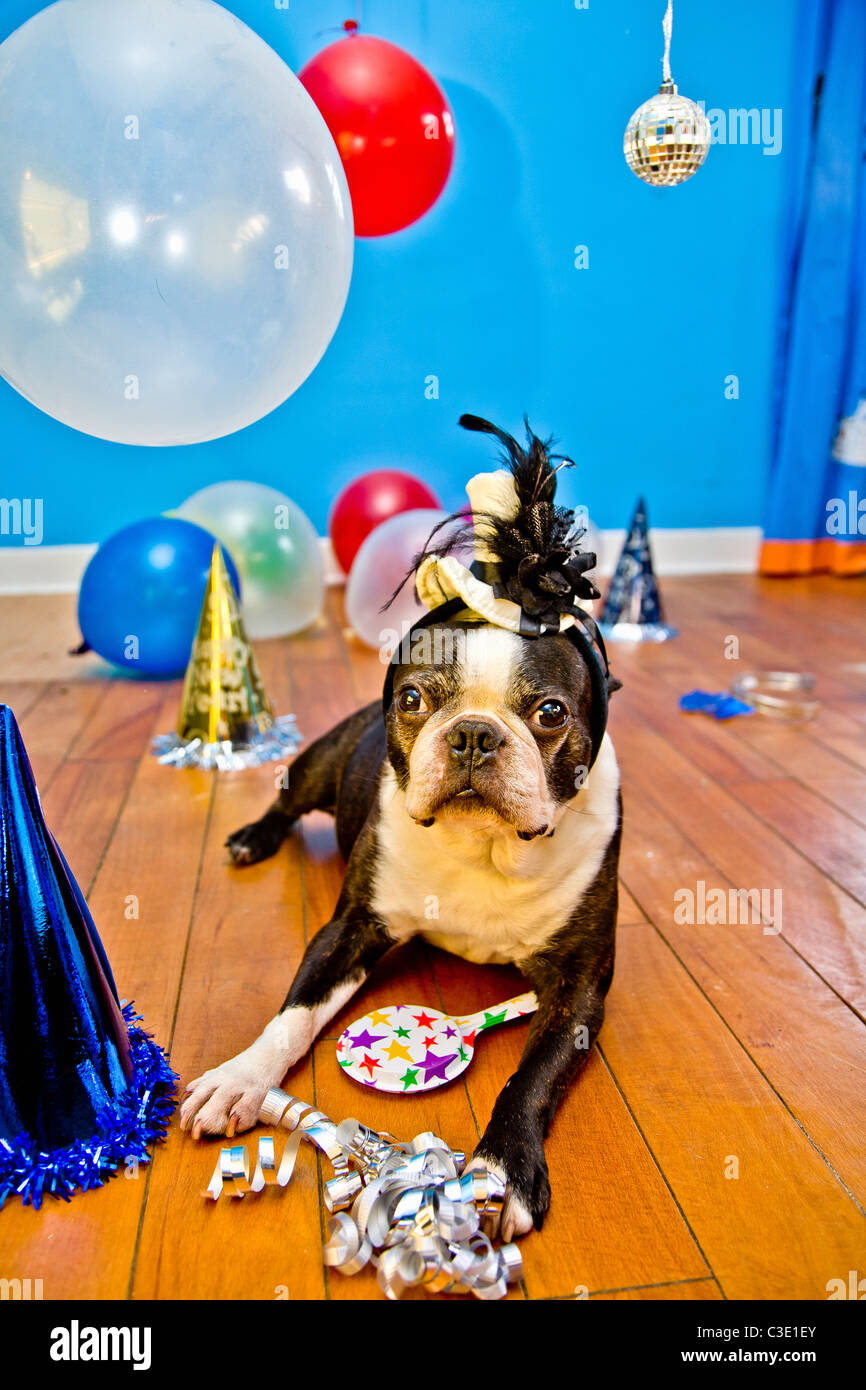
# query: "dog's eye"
{"type": "Point", "coordinates": [411, 701]}
{"type": "Point", "coordinates": [551, 715]}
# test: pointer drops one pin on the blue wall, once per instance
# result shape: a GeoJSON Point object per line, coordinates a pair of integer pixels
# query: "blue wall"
{"type": "Point", "coordinates": [625, 361]}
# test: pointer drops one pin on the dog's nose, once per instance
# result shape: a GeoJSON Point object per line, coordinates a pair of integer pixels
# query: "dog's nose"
{"type": "Point", "coordinates": [473, 741]}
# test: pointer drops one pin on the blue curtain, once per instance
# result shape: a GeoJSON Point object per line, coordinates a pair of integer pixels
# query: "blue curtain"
{"type": "Point", "coordinates": [818, 474]}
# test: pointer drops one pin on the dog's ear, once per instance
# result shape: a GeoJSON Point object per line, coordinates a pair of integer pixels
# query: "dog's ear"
{"type": "Point", "coordinates": [613, 684]}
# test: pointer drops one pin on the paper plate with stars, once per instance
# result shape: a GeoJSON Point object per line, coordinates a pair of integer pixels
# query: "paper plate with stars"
{"type": "Point", "coordinates": [407, 1048]}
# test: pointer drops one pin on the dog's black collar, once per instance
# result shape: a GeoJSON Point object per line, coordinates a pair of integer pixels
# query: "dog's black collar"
{"type": "Point", "coordinates": [584, 634]}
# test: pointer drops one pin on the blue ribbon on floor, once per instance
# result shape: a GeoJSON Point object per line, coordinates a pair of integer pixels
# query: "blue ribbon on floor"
{"type": "Point", "coordinates": [720, 704]}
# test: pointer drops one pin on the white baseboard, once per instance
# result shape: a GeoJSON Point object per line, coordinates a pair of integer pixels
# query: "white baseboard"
{"type": "Point", "coordinates": [43, 569]}
{"type": "Point", "coordinates": [57, 569]}
{"type": "Point", "coordinates": [692, 550]}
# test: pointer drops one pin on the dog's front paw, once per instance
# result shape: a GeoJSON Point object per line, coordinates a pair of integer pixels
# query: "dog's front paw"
{"type": "Point", "coordinates": [228, 1099]}
{"type": "Point", "coordinates": [225, 1100]}
{"type": "Point", "coordinates": [257, 841]}
{"type": "Point", "coordinates": [522, 1166]}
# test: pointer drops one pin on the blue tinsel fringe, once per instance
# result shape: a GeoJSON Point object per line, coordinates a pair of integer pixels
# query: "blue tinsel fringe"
{"type": "Point", "coordinates": [127, 1126]}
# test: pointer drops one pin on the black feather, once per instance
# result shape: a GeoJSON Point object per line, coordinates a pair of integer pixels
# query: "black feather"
{"type": "Point", "coordinates": [540, 563]}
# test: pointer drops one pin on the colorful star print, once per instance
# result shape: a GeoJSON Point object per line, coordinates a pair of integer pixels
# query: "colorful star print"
{"type": "Point", "coordinates": [491, 1020]}
{"type": "Point", "coordinates": [436, 1066]}
{"type": "Point", "coordinates": [366, 1039]}
{"type": "Point", "coordinates": [380, 1050]}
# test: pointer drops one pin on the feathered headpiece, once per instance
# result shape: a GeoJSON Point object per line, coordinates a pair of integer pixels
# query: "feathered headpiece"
{"type": "Point", "coordinates": [527, 550]}
{"type": "Point", "coordinates": [528, 574]}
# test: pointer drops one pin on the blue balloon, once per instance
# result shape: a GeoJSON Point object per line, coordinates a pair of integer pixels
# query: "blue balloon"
{"type": "Point", "coordinates": [141, 595]}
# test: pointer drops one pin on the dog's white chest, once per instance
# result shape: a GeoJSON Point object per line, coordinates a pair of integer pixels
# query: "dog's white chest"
{"type": "Point", "coordinates": [491, 899]}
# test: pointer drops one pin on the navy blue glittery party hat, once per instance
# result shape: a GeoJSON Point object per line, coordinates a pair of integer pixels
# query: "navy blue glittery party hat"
{"type": "Point", "coordinates": [632, 610]}
{"type": "Point", "coordinates": [82, 1089]}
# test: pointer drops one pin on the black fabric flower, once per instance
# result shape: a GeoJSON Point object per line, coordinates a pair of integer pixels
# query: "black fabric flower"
{"type": "Point", "coordinates": [546, 586]}
{"type": "Point", "coordinates": [540, 563]}
{"type": "Point", "coordinates": [536, 559]}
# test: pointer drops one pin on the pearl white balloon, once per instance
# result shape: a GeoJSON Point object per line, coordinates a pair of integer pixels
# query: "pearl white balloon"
{"type": "Point", "coordinates": [378, 568]}
{"type": "Point", "coordinates": [176, 230]}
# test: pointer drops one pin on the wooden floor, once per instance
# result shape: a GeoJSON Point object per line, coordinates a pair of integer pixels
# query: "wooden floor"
{"type": "Point", "coordinates": [715, 1145]}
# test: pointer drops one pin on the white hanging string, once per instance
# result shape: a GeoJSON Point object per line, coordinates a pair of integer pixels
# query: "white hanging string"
{"type": "Point", "coordinates": [667, 28]}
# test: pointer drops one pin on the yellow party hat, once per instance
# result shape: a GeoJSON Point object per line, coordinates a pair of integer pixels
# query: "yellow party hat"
{"type": "Point", "coordinates": [223, 696]}
{"type": "Point", "coordinates": [225, 716]}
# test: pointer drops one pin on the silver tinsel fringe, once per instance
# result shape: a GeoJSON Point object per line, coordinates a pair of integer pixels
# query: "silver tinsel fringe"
{"type": "Point", "coordinates": [279, 741]}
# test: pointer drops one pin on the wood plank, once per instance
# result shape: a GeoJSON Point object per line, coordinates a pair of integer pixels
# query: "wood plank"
{"type": "Point", "coordinates": [847, 795]}
{"type": "Point", "coordinates": [823, 834]}
{"type": "Point", "coordinates": [785, 1225]}
{"type": "Point", "coordinates": [20, 696]}
{"type": "Point", "coordinates": [82, 807]}
{"type": "Point", "coordinates": [38, 632]}
{"type": "Point", "coordinates": [51, 727]}
{"type": "Point", "coordinates": [125, 721]}
{"type": "Point", "coordinates": [825, 923]}
{"type": "Point", "coordinates": [691, 1291]}
{"type": "Point", "coordinates": [805, 1040]}
{"type": "Point", "coordinates": [150, 869]}
{"type": "Point", "coordinates": [245, 942]}
{"type": "Point", "coordinates": [628, 912]}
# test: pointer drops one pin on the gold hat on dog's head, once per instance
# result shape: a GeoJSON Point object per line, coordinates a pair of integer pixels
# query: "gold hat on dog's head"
{"type": "Point", "coordinates": [528, 573]}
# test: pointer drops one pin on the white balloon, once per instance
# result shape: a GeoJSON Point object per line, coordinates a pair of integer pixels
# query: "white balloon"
{"type": "Point", "coordinates": [176, 231]}
{"type": "Point", "coordinates": [380, 565]}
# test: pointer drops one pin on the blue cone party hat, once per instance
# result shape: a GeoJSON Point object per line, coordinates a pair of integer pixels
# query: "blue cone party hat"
{"type": "Point", "coordinates": [632, 610]}
{"type": "Point", "coordinates": [83, 1091]}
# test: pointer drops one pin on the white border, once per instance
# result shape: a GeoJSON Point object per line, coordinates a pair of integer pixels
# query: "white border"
{"type": "Point", "coordinates": [57, 569]}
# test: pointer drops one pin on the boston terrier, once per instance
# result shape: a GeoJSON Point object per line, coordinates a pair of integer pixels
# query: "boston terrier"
{"type": "Point", "coordinates": [484, 781]}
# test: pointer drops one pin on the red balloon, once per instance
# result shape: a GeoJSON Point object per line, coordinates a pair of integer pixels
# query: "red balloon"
{"type": "Point", "coordinates": [367, 502]}
{"type": "Point", "coordinates": [392, 125]}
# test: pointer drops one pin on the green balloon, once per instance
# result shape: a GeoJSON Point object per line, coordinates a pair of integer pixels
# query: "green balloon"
{"type": "Point", "coordinates": [275, 548]}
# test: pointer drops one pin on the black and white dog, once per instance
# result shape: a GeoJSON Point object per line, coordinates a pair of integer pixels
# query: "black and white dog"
{"type": "Point", "coordinates": [484, 781]}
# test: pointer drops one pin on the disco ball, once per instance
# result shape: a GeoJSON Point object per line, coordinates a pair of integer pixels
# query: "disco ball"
{"type": "Point", "coordinates": [667, 139]}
